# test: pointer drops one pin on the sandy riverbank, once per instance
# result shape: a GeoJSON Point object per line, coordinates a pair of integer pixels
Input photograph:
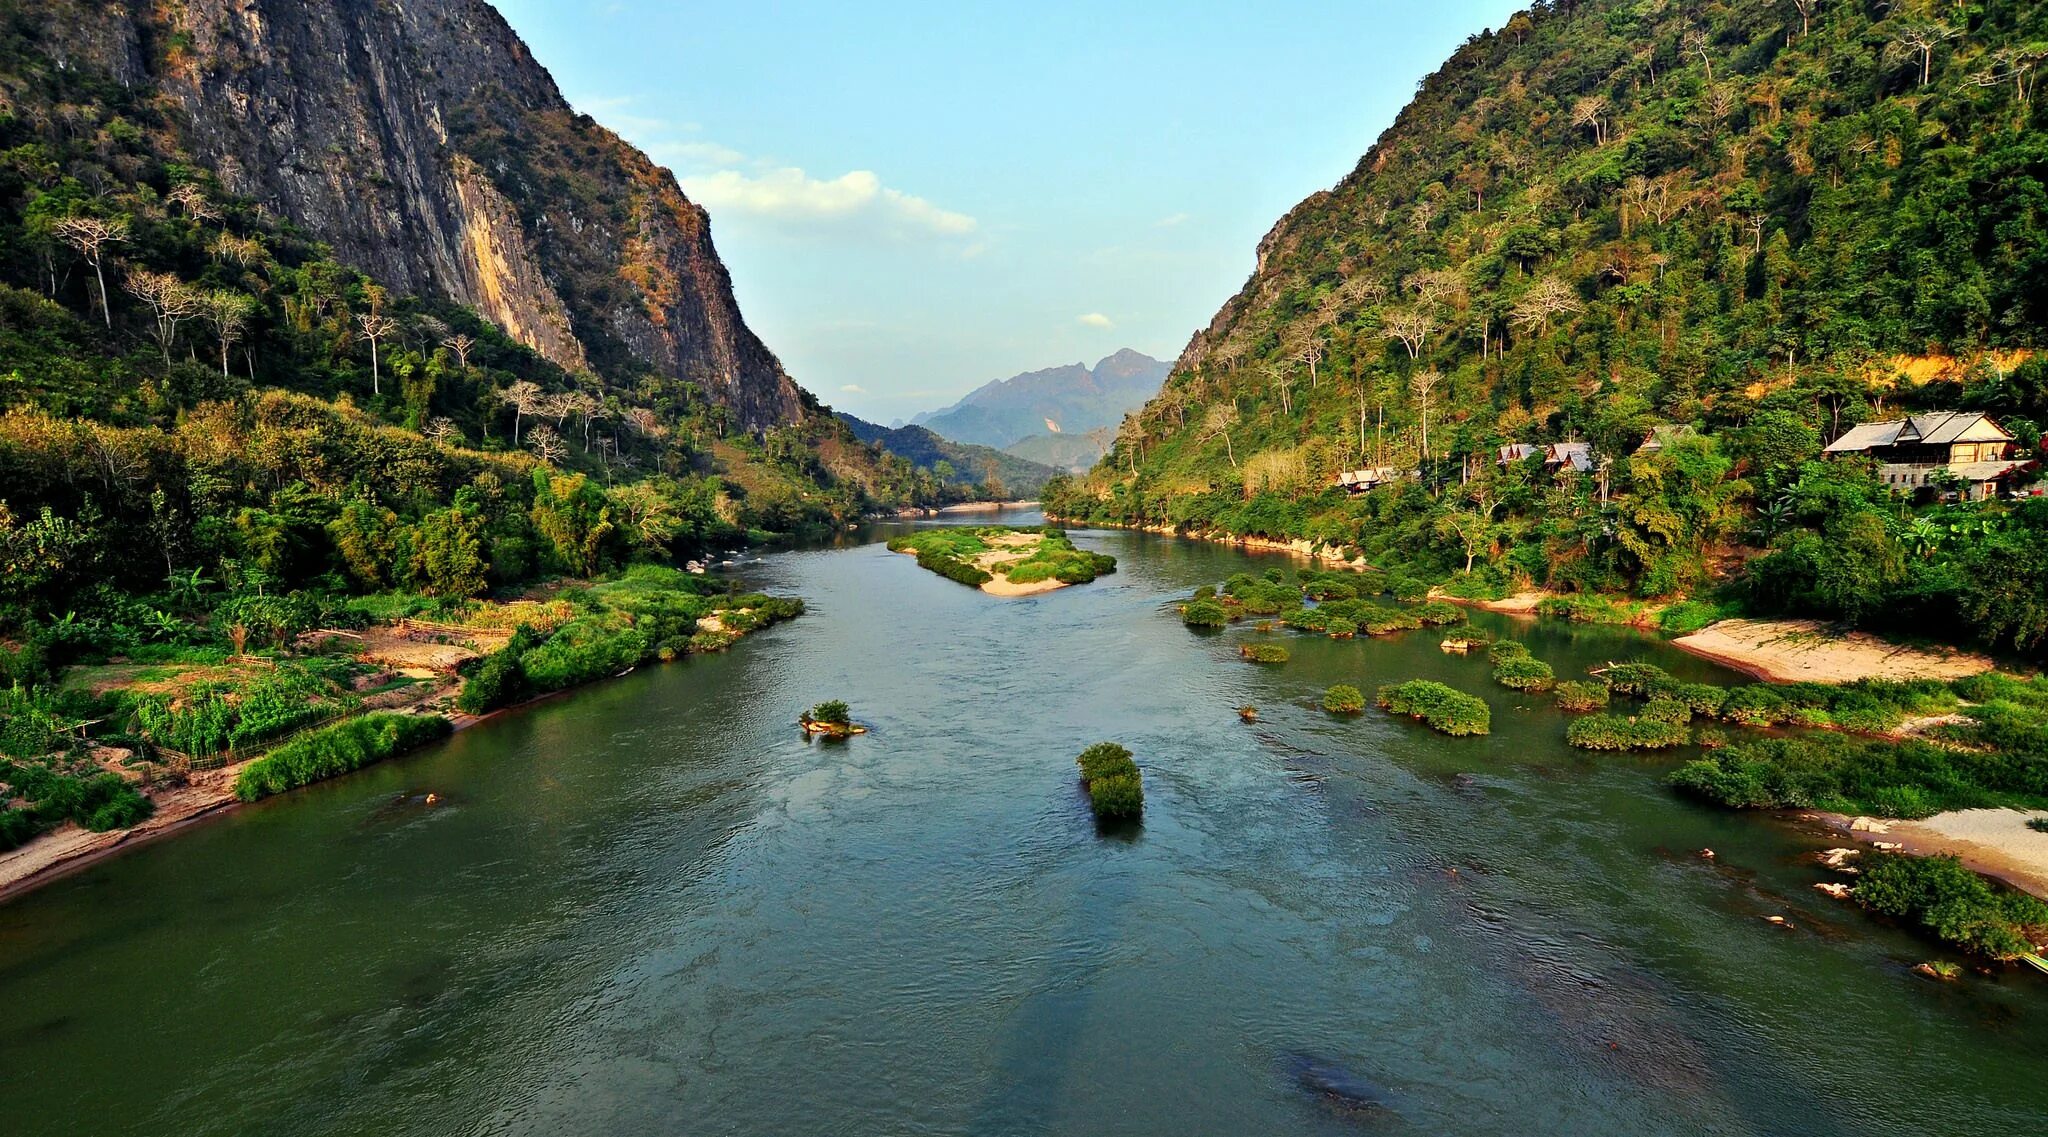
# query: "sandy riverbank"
{"type": "Point", "coordinates": [1995, 842]}
{"type": "Point", "coordinates": [1791, 651]}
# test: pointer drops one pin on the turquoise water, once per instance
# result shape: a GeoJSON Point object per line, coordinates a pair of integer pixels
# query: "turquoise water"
{"type": "Point", "coordinates": [651, 906]}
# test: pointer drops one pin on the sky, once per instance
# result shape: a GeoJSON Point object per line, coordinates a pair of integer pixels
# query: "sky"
{"type": "Point", "coordinates": [916, 198]}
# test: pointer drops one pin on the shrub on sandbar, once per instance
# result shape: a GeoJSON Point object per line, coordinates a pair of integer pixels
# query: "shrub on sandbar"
{"type": "Point", "coordinates": [1445, 709]}
{"type": "Point", "coordinates": [1115, 788]}
{"type": "Point", "coordinates": [1343, 699]}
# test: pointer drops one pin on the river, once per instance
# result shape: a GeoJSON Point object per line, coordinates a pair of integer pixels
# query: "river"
{"type": "Point", "coordinates": [653, 907]}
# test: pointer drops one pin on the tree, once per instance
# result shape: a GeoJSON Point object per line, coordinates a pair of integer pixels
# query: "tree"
{"type": "Point", "coordinates": [442, 429]}
{"type": "Point", "coordinates": [1546, 300]}
{"type": "Point", "coordinates": [1805, 8]}
{"type": "Point", "coordinates": [169, 299]}
{"type": "Point", "coordinates": [1591, 112]}
{"type": "Point", "coordinates": [460, 345]}
{"type": "Point", "coordinates": [1919, 40]}
{"type": "Point", "coordinates": [546, 444]}
{"type": "Point", "coordinates": [1411, 326]}
{"type": "Point", "coordinates": [1695, 43]}
{"type": "Point", "coordinates": [229, 314]}
{"type": "Point", "coordinates": [1219, 420]}
{"type": "Point", "coordinates": [1472, 532]}
{"type": "Point", "coordinates": [91, 236]}
{"type": "Point", "coordinates": [1422, 385]}
{"type": "Point", "coordinates": [375, 326]}
{"type": "Point", "coordinates": [524, 397]}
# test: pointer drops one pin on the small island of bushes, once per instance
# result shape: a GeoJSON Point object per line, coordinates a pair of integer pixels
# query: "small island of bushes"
{"type": "Point", "coordinates": [830, 719]}
{"type": "Point", "coordinates": [1343, 699]}
{"type": "Point", "coordinates": [1445, 709]}
{"type": "Point", "coordinates": [1004, 559]}
{"type": "Point", "coordinates": [1115, 789]}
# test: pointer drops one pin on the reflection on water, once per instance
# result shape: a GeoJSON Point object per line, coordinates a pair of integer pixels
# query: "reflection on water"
{"type": "Point", "coordinates": [652, 907]}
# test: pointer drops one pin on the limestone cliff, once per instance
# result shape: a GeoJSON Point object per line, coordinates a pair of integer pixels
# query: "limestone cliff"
{"type": "Point", "coordinates": [427, 146]}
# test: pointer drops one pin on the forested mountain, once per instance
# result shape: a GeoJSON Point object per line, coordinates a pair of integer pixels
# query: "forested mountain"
{"type": "Point", "coordinates": [978, 470]}
{"type": "Point", "coordinates": [1762, 219]}
{"type": "Point", "coordinates": [1073, 399]}
{"type": "Point", "coordinates": [309, 299]}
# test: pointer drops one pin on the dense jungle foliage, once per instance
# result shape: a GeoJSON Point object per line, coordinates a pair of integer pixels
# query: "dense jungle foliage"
{"type": "Point", "coordinates": [1751, 223]}
{"type": "Point", "coordinates": [195, 398]}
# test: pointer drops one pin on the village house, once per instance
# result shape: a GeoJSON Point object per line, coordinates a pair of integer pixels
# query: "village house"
{"type": "Point", "coordinates": [1911, 451]}
{"type": "Point", "coordinates": [1362, 481]}
{"type": "Point", "coordinates": [1578, 455]}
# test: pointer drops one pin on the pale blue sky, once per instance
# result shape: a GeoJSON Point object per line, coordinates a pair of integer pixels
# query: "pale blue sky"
{"type": "Point", "coordinates": [917, 198]}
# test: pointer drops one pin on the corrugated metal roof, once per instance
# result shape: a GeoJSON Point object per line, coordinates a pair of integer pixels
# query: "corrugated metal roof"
{"type": "Point", "coordinates": [1938, 429]}
{"type": "Point", "coordinates": [1867, 436]}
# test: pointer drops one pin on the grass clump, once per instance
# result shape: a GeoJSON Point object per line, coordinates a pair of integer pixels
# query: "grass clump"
{"type": "Point", "coordinates": [1263, 653]}
{"type": "Point", "coordinates": [1524, 673]}
{"type": "Point", "coordinates": [1115, 788]}
{"type": "Point", "coordinates": [1956, 905]}
{"type": "Point", "coordinates": [1445, 709]}
{"type": "Point", "coordinates": [1615, 732]}
{"type": "Point", "coordinates": [1581, 695]}
{"type": "Point", "coordinates": [336, 750]}
{"type": "Point", "coordinates": [1440, 612]}
{"type": "Point", "coordinates": [1343, 699]}
{"type": "Point", "coordinates": [1203, 614]}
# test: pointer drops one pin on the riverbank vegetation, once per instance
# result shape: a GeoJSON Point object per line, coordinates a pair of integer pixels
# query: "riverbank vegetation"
{"type": "Point", "coordinates": [1021, 556]}
{"type": "Point", "coordinates": [1586, 315]}
{"type": "Point", "coordinates": [1343, 699]}
{"type": "Point", "coordinates": [1263, 653]}
{"type": "Point", "coordinates": [1116, 790]}
{"type": "Point", "coordinates": [1952, 903]}
{"type": "Point", "coordinates": [1445, 709]}
{"type": "Point", "coordinates": [336, 750]}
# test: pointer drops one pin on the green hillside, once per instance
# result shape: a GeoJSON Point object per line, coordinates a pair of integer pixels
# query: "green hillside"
{"type": "Point", "coordinates": [1747, 217]}
{"type": "Point", "coordinates": [970, 470]}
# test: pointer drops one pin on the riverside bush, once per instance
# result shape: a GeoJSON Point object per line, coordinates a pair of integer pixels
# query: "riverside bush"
{"type": "Point", "coordinates": [1340, 628]}
{"type": "Point", "coordinates": [336, 750]}
{"type": "Point", "coordinates": [98, 800]}
{"type": "Point", "coordinates": [1906, 779]}
{"type": "Point", "coordinates": [1445, 709]}
{"type": "Point", "coordinates": [1614, 732]}
{"type": "Point", "coordinates": [831, 712]}
{"type": "Point", "coordinates": [1203, 614]}
{"type": "Point", "coordinates": [1263, 653]}
{"type": "Point", "coordinates": [1503, 650]}
{"type": "Point", "coordinates": [1524, 673]}
{"type": "Point", "coordinates": [1581, 695]}
{"type": "Point", "coordinates": [1343, 699]}
{"type": "Point", "coordinates": [1438, 612]}
{"type": "Point", "coordinates": [497, 680]}
{"type": "Point", "coordinates": [1115, 788]}
{"type": "Point", "coordinates": [1953, 903]}
{"type": "Point", "coordinates": [1640, 680]}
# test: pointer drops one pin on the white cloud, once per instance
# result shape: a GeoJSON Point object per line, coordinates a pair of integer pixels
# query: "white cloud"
{"type": "Point", "coordinates": [853, 389]}
{"type": "Point", "coordinates": [694, 154]}
{"type": "Point", "coordinates": [1170, 220]}
{"type": "Point", "coordinates": [789, 193]}
{"type": "Point", "coordinates": [1097, 320]}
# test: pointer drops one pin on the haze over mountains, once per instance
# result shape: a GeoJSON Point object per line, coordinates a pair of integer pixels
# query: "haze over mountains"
{"type": "Point", "coordinates": [1058, 416]}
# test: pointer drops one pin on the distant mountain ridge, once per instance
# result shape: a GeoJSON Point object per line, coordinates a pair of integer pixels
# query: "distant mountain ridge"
{"type": "Point", "coordinates": [1070, 400]}
{"type": "Point", "coordinates": [970, 464]}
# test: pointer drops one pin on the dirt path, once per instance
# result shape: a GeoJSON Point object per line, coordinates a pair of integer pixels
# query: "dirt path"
{"type": "Point", "coordinates": [1790, 651]}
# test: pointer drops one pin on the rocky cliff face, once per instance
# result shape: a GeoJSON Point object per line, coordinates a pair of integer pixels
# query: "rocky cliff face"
{"type": "Point", "coordinates": [427, 146]}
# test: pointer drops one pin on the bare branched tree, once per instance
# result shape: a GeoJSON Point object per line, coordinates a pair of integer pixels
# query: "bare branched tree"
{"type": "Point", "coordinates": [460, 345]}
{"type": "Point", "coordinates": [228, 313]}
{"type": "Point", "coordinates": [1411, 326]}
{"type": "Point", "coordinates": [169, 299]}
{"type": "Point", "coordinates": [1423, 385]}
{"type": "Point", "coordinates": [524, 397]}
{"type": "Point", "coordinates": [1591, 112]}
{"type": "Point", "coordinates": [190, 198]}
{"type": "Point", "coordinates": [2015, 65]}
{"type": "Point", "coordinates": [442, 429]}
{"type": "Point", "coordinates": [375, 326]}
{"type": "Point", "coordinates": [1806, 9]}
{"type": "Point", "coordinates": [546, 444]}
{"type": "Point", "coordinates": [1219, 420]}
{"type": "Point", "coordinates": [1546, 300]}
{"type": "Point", "coordinates": [1695, 43]}
{"type": "Point", "coordinates": [1917, 42]}
{"type": "Point", "coordinates": [91, 236]}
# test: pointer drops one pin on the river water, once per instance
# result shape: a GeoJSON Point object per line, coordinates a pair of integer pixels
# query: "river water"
{"type": "Point", "coordinates": [652, 907]}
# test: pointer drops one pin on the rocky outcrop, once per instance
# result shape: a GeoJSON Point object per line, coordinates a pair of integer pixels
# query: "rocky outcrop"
{"type": "Point", "coordinates": [425, 144]}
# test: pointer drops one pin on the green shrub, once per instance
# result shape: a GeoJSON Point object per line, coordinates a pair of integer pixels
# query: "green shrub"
{"type": "Point", "coordinates": [1504, 650]}
{"type": "Point", "coordinates": [1667, 710]}
{"type": "Point", "coordinates": [336, 750]}
{"type": "Point", "coordinates": [1343, 699]}
{"type": "Point", "coordinates": [1444, 708]}
{"type": "Point", "coordinates": [580, 651]}
{"type": "Point", "coordinates": [1524, 673]}
{"type": "Point", "coordinates": [1439, 612]}
{"type": "Point", "coordinates": [1689, 616]}
{"type": "Point", "coordinates": [1115, 788]}
{"type": "Point", "coordinates": [1407, 588]}
{"type": "Point", "coordinates": [1263, 653]}
{"type": "Point", "coordinates": [1844, 774]}
{"type": "Point", "coordinates": [1203, 614]}
{"type": "Point", "coordinates": [497, 680]}
{"type": "Point", "coordinates": [1614, 732]}
{"type": "Point", "coordinates": [1340, 628]}
{"type": "Point", "coordinates": [1639, 680]}
{"type": "Point", "coordinates": [1580, 695]}
{"type": "Point", "coordinates": [953, 568]}
{"type": "Point", "coordinates": [1755, 704]}
{"type": "Point", "coordinates": [831, 712]}
{"type": "Point", "coordinates": [1953, 903]}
